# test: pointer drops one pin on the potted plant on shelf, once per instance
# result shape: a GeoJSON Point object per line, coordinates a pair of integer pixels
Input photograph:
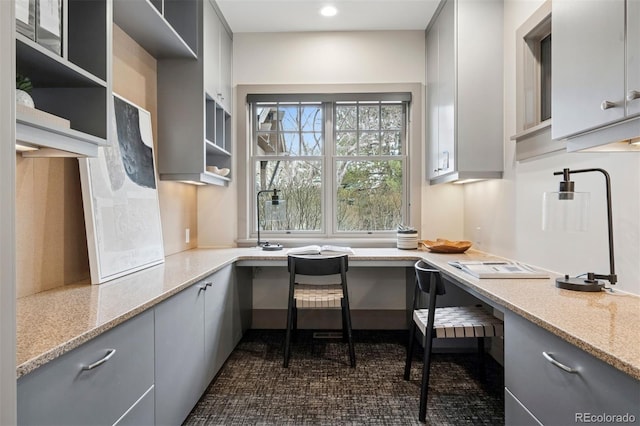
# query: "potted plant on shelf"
{"type": "Point", "coordinates": [23, 88]}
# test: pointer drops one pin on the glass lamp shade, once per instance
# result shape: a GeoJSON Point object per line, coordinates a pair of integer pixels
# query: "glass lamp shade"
{"type": "Point", "coordinates": [565, 211]}
{"type": "Point", "coordinates": [274, 213]}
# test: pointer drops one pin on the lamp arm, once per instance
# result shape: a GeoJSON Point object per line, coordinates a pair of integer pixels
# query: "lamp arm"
{"type": "Point", "coordinates": [612, 270]}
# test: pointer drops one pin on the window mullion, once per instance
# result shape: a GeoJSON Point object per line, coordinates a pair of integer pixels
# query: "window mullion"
{"type": "Point", "coordinates": [329, 183]}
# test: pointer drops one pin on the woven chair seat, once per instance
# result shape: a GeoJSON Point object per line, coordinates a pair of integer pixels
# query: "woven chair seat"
{"type": "Point", "coordinates": [310, 296]}
{"type": "Point", "coordinates": [460, 321]}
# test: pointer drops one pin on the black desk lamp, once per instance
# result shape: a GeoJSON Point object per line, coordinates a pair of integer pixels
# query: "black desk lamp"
{"type": "Point", "coordinates": [277, 208]}
{"type": "Point", "coordinates": [561, 201]}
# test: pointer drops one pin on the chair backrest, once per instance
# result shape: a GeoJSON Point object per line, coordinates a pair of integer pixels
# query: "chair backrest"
{"type": "Point", "coordinates": [316, 265]}
{"type": "Point", "coordinates": [426, 276]}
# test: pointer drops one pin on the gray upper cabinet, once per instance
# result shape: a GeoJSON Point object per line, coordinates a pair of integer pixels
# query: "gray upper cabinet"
{"type": "Point", "coordinates": [633, 58]}
{"type": "Point", "coordinates": [194, 123]}
{"type": "Point", "coordinates": [72, 83]}
{"type": "Point", "coordinates": [218, 57]}
{"type": "Point", "coordinates": [596, 72]}
{"type": "Point", "coordinates": [464, 44]}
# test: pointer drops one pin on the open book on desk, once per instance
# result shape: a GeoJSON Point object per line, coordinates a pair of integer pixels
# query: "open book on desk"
{"type": "Point", "coordinates": [326, 249]}
{"type": "Point", "coordinates": [498, 269]}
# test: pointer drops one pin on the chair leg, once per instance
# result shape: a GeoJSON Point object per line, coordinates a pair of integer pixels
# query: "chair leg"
{"type": "Point", "coordinates": [343, 309]}
{"type": "Point", "coordinates": [287, 341]}
{"type": "Point", "coordinates": [424, 390]}
{"type": "Point", "coordinates": [407, 364]}
{"type": "Point", "coordinates": [352, 352]}
{"type": "Point", "coordinates": [481, 355]}
{"type": "Point", "coordinates": [294, 332]}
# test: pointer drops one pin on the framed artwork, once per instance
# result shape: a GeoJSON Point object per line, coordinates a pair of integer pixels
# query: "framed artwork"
{"type": "Point", "coordinates": [120, 198]}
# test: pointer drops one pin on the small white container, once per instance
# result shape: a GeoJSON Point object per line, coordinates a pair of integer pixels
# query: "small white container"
{"type": "Point", "coordinates": [407, 240]}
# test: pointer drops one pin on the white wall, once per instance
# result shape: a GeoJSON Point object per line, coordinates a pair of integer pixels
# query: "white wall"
{"type": "Point", "coordinates": [329, 58]}
{"type": "Point", "coordinates": [508, 212]}
{"type": "Point", "coordinates": [317, 58]}
{"type": "Point", "coordinates": [311, 59]}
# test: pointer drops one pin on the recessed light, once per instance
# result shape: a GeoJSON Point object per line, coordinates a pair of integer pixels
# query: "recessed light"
{"type": "Point", "coordinates": [328, 11]}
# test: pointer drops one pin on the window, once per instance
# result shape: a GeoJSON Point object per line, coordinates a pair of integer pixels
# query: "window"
{"type": "Point", "coordinates": [533, 86]}
{"type": "Point", "coordinates": [340, 164]}
{"type": "Point", "coordinates": [545, 77]}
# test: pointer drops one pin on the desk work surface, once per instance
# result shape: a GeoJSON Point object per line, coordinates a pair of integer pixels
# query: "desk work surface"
{"type": "Point", "coordinates": [54, 322]}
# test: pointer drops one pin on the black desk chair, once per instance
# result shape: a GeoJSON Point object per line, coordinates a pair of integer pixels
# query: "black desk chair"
{"type": "Point", "coordinates": [446, 322]}
{"type": "Point", "coordinates": [332, 294]}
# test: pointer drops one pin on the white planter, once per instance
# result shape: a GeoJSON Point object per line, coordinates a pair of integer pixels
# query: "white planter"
{"type": "Point", "coordinates": [23, 98]}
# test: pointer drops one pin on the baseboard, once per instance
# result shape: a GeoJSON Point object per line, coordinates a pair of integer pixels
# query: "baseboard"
{"type": "Point", "coordinates": [361, 319]}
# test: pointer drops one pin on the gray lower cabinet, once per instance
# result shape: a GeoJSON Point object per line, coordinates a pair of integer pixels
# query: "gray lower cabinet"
{"type": "Point", "coordinates": [538, 388]}
{"type": "Point", "coordinates": [222, 328]}
{"type": "Point", "coordinates": [179, 354]}
{"type": "Point", "coordinates": [142, 413]}
{"type": "Point", "coordinates": [196, 331]}
{"type": "Point", "coordinates": [78, 389]}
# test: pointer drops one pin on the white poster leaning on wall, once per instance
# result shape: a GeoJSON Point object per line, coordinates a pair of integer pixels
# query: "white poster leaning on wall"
{"type": "Point", "coordinates": [120, 198]}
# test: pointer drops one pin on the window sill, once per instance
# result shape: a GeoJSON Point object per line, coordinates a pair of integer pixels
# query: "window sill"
{"type": "Point", "coordinates": [299, 242]}
{"type": "Point", "coordinates": [536, 141]}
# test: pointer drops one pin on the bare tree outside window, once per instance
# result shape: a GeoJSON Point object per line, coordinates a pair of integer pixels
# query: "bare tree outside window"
{"type": "Point", "coordinates": [361, 162]}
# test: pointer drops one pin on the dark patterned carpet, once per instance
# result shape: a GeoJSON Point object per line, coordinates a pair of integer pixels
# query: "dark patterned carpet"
{"type": "Point", "coordinates": [319, 387]}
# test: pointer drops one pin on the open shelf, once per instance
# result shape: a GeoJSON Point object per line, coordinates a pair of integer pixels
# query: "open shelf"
{"type": "Point", "coordinates": [155, 31]}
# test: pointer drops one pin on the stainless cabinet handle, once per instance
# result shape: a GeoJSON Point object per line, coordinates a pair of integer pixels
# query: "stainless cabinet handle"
{"type": "Point", "coordinates": [633, 94]}
{"type": "Point", "coordinates": [607, 105]}
{"type": "Point", "coordinates": [107, 357]}
{"type": "Point", "coordinates": [558, 364]}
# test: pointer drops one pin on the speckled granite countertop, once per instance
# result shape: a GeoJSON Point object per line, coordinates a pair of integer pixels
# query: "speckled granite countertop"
{"type": "Point", "coordinates": [54, 322]}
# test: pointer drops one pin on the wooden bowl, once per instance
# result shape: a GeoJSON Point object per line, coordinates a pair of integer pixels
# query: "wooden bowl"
{"type": "Point", "coordinates": [441, 245]}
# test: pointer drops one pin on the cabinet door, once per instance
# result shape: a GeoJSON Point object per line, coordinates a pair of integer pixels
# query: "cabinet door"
{"type": "Point", "coordinates": [211, 53]}
{"type": "Point", "coordinates": [447, 89]}
{"type": "Point", "coordinates": [226, 60]}
{"type": "Point", "coordinates": [66, 392]}
{"type": "Point", "coordinates": [588, 60]}
{"type": "Point", "coordinates": [432, 101]}
{"type": "Point", "coordinates": [633, 57]}
{"type": "Point", "coordinates": [215, 300]}
{"type": "Point", "coordinates": [180, 367]}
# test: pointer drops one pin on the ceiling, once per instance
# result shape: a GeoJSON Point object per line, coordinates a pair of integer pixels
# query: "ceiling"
{"type": "Point", "coordinates": [304, 15]}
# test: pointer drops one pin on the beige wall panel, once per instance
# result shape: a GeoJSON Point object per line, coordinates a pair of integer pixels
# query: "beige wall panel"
{"type": "Point", "coordinates": [25, 238]}
{"type": "Point", "coordinates": [135, 79]}
{"type": "Point", "coordinates": [51, 247]}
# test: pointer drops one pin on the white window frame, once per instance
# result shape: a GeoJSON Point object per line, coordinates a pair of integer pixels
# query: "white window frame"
{"type": "Point", "coordinates": [243, 197]}
{"type": "Point", "coordinates": [329, 159]}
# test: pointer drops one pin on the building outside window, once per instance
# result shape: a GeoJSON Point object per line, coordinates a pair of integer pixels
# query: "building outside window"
{"type": "Point", "coordinates": [340, 164]}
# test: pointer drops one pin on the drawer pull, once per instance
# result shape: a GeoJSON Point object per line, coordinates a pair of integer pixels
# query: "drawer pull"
{"type": "Point", "coordinates": [204, 286]}
{"type": "Point", "coordinates": [559, 364]}
{"type": "Point", "coordinates": [107, 357]}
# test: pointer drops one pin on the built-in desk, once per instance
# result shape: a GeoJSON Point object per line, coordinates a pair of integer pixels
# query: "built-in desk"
{"type": "Point", "coordinates": [52, 323]}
